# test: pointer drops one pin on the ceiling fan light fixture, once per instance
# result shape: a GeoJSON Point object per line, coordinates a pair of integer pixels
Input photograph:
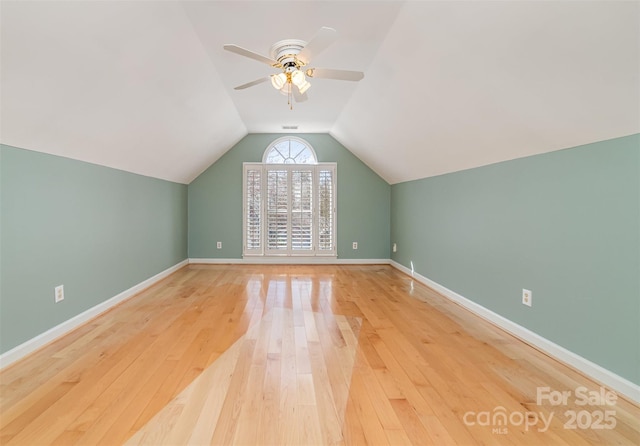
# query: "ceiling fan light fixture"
{"type": "Point", "coordinates": [298, 79]}
{"type": "Point", "coordinates": [304, 87]}
{"type": "Point", "coordinates": [293, 57]}
{"type": "Point", "coordinates": [286, 88]}
{"type": "Point", "coordinates": [278, 80]}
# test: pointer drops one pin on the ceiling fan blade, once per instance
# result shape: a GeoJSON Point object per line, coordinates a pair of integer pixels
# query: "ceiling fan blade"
{"type": "Point", "coordinates": [323, 38]}
{"type": "Point", "coordinates": [299, 97]}
{"type": "Point", "coordinates": [251, 84]}
{"type": "Point", "coordinates": [250, 54]}
{"type": "Point", "coordinates": [342, 75]}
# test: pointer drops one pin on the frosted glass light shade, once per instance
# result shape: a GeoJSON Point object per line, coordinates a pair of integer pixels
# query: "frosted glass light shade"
{"type": "Point", "coordinates": [304, 87]}
{"type": "Point", "coordinates": [285, 89]}
{"type": "Point", "coordinates": [278, 80]}
{"type": "Point", "coordinates": [298, 79]}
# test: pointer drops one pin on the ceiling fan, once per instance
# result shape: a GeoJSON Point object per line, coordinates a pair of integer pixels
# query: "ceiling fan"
{"type": "Point", "coordinates": [292, 57]}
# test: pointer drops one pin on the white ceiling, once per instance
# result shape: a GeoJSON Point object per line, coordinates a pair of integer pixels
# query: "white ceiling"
{"type": "Point", "coordinates": [146, 87]}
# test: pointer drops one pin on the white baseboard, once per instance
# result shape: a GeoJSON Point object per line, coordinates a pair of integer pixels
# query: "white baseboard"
{"type": "Point", "coordinates": [361, 261]}
{"type": "Point", "coordinates": [203, 261]}
{"type": "Point", "coordinates": [54, 333]}
{"type": "Point", "coordinates": [290, 260]}
{"type": "Point", "coordinates": [591, 369]}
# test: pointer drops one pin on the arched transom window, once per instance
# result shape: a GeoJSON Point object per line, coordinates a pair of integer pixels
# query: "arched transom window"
{"type": "Point", "coordinates": [289, 150]}
{"type": "Point", "coordinates": [289, 202]}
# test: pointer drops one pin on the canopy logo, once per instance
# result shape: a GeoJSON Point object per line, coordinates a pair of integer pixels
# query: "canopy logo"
{"type": "Point", "coordinates": [499, 419]}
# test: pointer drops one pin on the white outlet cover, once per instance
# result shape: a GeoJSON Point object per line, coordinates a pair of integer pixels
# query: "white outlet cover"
{"type": "Point", "coordinates": [58, 293]}
{"type": "Point", "coordinates": [219, 245]}
{"type": "Point", "coordinates": [355, 245]}
{"type": "Point", "coordinates": [527, 297]}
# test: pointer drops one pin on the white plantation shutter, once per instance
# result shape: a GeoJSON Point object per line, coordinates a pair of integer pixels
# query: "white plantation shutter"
{"type": "Point", "coordinates": [326, 210]}
{"type": "Point", "coordinates": [277, 211]}
{"type": "Point", "coordinates": [289, 203]}
{"type": "Point", "coordinates": [302, 210]}
{"type": "Point", "coordinates": [253, 209]}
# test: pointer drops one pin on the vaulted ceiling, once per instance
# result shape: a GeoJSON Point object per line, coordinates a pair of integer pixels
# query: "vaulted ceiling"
{"type": "Point", "coordinates": [146, 87]}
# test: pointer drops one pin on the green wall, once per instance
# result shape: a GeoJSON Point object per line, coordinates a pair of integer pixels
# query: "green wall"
{"type": "Point", "coordinates": [98, 231]}
{"type": "Point", "coordinates": [565, 225]}
{"type": "Point", "coordinates": [215, 201]}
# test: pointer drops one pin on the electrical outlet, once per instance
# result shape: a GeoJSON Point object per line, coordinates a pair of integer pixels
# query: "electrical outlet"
{"type": "Point", "coordinates": [219, 245]}
{"type": "Point", "coordinates": [395, 247]}
{"type": "Point", "coordinates": [527, 297]}
{"type": "Point", "coordinates": [59, 293]}
{"type": "Point", "coordinates": [355, 245]}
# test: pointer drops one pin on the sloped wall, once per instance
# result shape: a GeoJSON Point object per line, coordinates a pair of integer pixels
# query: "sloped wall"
{"type": "Point", "coordinates": [97, 231]}
{"type": "Point", "coordinates": [565, 225]}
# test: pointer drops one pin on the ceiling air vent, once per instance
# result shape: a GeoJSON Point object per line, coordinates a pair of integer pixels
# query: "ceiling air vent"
{"type": "Point", "coordinates": [289, 127]}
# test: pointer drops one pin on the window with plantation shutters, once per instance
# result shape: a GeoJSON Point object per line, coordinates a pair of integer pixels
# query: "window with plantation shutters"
{"type": "Point", "coordinates": [289, 202]}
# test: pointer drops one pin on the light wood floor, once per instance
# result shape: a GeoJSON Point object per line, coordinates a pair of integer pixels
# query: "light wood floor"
{"type": "Point", "coordinates": [228, 354]}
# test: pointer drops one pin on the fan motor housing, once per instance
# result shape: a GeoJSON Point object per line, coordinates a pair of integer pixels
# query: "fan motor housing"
{"type": "Point", "coordinates": [285, 52]}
